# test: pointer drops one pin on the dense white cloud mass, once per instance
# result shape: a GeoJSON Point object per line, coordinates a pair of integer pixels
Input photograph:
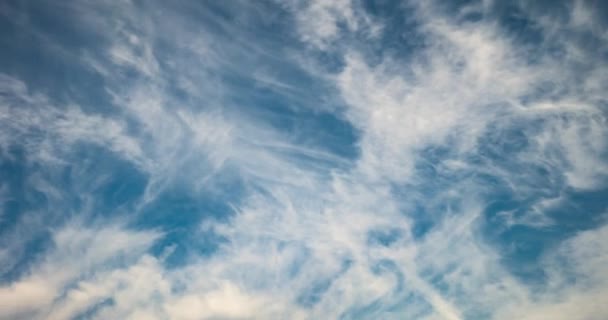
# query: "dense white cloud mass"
{"type": "Point", "coordinates": [304, 160]}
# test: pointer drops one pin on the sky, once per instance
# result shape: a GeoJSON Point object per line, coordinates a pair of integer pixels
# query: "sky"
{"type": "Point", "coordinates": [304, 159]}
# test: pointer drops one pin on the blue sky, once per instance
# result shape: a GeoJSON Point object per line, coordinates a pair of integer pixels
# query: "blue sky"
{"type": "Point", "coordinates": [303, 159]}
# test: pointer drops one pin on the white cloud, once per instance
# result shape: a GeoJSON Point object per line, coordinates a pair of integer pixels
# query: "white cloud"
{"type": "Point", "coordinates": [584, 256]}
{"type": "Point", "coordinates": [303, 230]}
{"type": "Point", "coordinates": [78, 253]}
{"type": "Point", "coordinates": [320, 22]}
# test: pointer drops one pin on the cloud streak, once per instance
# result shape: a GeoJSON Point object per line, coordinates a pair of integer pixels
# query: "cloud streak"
{"type": "Point", "coordinates": [316, 165]}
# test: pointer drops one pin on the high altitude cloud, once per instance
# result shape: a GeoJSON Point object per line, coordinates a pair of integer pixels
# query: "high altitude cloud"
{"type": "Point", "coordinates": [303, 160]}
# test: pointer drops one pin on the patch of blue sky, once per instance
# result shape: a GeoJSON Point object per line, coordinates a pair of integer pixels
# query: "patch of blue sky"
{"type": "Point", "coordinates": [31, 251]}
{"type": "Point", "coordinates": [13, 173]}
{"type": "Point", "coordinates": [178, 214]}
{"type": "Point", "coordinates": [389, 307]}
{"type": "Point", "coordinates": [313, 293]}
{"type": "Point", "coordinates": [42, 48]}
{"type": "Point", "coordinates": [401, 37]}
{"type": "Point", "coordinates": [116, 185]}
{"type": "Point", "coordinates": [93, 310]}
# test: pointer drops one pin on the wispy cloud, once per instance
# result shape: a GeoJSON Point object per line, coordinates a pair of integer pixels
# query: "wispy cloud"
{"type": "Point", "coordinates": [208, 179]}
